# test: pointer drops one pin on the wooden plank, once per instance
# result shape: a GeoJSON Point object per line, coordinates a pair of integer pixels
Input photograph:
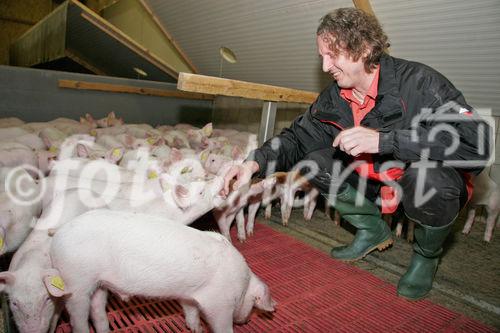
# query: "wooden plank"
{"type": "Point", "coordinates": [168, 36]}
{"type": "Point", "coordinates": [116, 33]}
{"type": "Point", "coordinates": [364, 5]}
{"type": "Point", "coordinates": [219, 86]}
{"type": "Point", "coordinates": [116, 88]}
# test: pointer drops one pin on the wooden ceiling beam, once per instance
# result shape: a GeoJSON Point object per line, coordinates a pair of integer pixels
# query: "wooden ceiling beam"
{"type": "Point", "coordinates": [364, 5]}
{"type": "Point", "coordinates": [168, 36]}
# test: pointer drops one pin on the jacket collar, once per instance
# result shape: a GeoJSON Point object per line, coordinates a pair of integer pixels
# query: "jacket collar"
{"type": "Point", "coordinates": [387, 80]}
{"type": "Point", "coordinates": [330, 107]}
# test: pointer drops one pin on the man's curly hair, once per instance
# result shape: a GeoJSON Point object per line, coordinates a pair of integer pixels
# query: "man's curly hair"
{"type": "Point", "coordinates": [352, 30]}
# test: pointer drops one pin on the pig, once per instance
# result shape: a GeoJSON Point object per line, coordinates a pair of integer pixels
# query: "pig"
{"type": "Point", "coordinates": [33, 309]}
{"type": "Point", "coordinates": [176, 139]}
{"type": "Point", "coordinates": [52, 137]}
{"type": "Point", "coordinates": [93, 151]}
{"type": "Point", "coordinates": [115, 130]}
{"type": "Point", "coordinates": [486, 193]}
{"type": "Point", "coordinates": [164, 128]}
{"type": "Point", "coordinates": [19, 205]}
{"type": "Point", "coordinates": [197, 137]}
{"type": "Point", "coordinates": [109, 121]}
{"type": "Point", "coordinates": [31, 140]}
{"type": "Point", "coordinates": [140, 131]}
{"type": "Point", "coordinates": [294, 183]}
{"type": "Point", "coordinates": [88, 120]}
{"type": "Point", "coordinates": [235, 204]}
{"type": "Point", "coordinates": [9, 133]}
{"type": "Point", "coordinates": [15, 154]}
{"type": "Point", "coordinates": [11, 122]}
{"type": "Point", "coordinates": [138, 254]}
{"type": "Point", "coordinates": [165, 195]}
{"type": "Point", "coordinates": [287, 186]}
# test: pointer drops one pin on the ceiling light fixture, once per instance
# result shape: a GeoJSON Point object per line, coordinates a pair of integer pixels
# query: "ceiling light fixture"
{"type": "Point", "coordinates": [228, 55]}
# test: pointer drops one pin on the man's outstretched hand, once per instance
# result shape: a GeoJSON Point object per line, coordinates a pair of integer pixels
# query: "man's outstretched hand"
{"type": "Point", "coordinates": [242, 172]}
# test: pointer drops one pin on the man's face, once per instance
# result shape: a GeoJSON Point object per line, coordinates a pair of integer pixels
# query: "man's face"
{"type": "Point", "coordinates": [342, 68]}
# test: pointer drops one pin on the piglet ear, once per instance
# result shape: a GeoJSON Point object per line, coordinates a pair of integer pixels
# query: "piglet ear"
{"type": "Point", "coordinates": [114, 155]}
{"type": "Point", "coordinates": [181, 196]}
{"type": "Point", "coordinates": [204, 155]}
{"type": "Point", "coordinates": [129, 140]}
{"type": "Point", "coordinates": [54, 283]}
{"type": "Point", "coordinates": [175, 155]}
{"type": "Point", "coordinates": [6, 278]}
{"type": "Point", "coordinates": [82, 150]}
{"type": "Point", "coordinates": [207, 129]}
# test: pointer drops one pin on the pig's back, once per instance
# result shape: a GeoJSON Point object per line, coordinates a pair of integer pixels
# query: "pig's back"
{"type": "Point", "coordinates": [139, 254]}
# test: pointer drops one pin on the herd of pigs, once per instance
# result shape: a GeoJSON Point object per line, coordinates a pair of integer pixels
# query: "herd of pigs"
{"type": "Point", "coordinates": [99, 205]}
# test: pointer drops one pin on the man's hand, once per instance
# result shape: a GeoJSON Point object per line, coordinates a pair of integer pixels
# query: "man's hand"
{"type": "Point", "coordinates": [242, 172]}
{"type": "Point", "coordinates": [358, 140]}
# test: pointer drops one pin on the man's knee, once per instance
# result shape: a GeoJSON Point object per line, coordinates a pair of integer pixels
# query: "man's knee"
{"type": "Point", "coordinates": [433, 197]}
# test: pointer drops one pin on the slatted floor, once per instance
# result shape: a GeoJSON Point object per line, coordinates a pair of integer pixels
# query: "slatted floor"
{"type": "Point", "coordinates": [315, 294]}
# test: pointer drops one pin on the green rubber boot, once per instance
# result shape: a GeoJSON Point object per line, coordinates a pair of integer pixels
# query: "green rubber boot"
{"type": "Point", "coordinates": [373, 232]}
{"type": "Point", "coordinates": [416, 283]}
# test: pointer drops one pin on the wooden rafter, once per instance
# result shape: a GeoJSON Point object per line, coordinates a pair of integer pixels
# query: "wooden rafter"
{"type": "Point", "coordinates": [168, 36]}
{"type": "Point", "coordinates": [364, 5]}
{"type": "Point", "coordinates": [111, 30]}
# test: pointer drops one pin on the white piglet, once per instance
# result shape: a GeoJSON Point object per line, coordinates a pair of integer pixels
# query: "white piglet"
{"type": "Point", "coordinates": [136, 254]}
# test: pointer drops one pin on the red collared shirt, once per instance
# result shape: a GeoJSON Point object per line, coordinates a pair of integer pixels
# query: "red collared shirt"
{"type": "Point", "coordinates": [360, 110]}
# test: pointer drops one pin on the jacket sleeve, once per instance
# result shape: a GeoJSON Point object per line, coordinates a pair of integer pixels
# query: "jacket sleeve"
{"type": "Point", "coordinates": [445, 129]}
{"type": "Point", "coordinates": [306, 134]}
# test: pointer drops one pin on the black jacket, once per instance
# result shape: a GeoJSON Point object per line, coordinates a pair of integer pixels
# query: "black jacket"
{"type": "Point", "coordinates": [412, 99]}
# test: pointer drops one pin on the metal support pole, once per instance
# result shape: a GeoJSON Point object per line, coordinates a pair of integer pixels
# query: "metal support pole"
{"type": "Point", "coordinates": [267, 121]}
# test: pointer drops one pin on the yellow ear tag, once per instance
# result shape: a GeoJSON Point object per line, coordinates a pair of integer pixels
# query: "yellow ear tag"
{"type": "Point", "coordinates": [116, 152]}
{"type": "Point", "coordinates": [57, 282]}
{"type": "Point", "coordinates": [1, 243]}
{"type": "Point", "coordinates": [186, 170]}
{"type": "Point", "coordinates": [53, 149]}
{"type": "Point", "coordinates": [204, 156]}
{"type": "Point", "coordinates": [207, 131]}
{"type": "Point", "coordinates": [93, 132]}
{"type": "Point", "coordinates": [151, 141]}
{"type": "Point", "coordinates": [152, 175]}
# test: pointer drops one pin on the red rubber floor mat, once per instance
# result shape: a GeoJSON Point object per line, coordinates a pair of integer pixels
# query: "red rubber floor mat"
{"type": "Point", "coordinates": [314, 293]}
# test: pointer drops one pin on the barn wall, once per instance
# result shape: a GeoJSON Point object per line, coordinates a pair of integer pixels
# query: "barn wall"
{"type": "Point", "coordinates": [244, 114]}
{"type": "Point", "coordinates": [16, 17]}
{"type": "Point", "coordinates": [33, 95]}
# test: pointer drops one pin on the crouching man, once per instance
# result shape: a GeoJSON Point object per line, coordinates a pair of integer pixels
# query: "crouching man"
{"type": "Point", "coordinates": [387, 132]}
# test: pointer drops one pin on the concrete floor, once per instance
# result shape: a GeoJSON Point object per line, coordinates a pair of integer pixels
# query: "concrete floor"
{"type": "Point", "coordinates": [468, 277]}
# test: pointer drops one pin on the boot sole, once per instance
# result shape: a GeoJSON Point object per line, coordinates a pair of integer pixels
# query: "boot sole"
{"type": "Point", "coordinates": [381, 247]}
{"type": "Point", "coordinates": [413, 299]}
